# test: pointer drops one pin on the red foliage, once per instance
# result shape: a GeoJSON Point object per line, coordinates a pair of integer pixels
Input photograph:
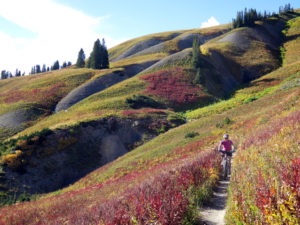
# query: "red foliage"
{"type": "Point", "coordinates": [46, 97]}
{"type": "Point", "coordinates": [159, 200]}
{"type": "Point", "coordinates": [263, 135]}
{"type": "Point", "coordinates": [173, 86]}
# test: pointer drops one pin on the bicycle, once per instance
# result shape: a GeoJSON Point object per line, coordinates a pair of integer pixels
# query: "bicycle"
{"type": "Point", "coordinates": [226, 164]}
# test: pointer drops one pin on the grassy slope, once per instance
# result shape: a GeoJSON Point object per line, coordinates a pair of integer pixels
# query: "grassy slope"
{"type": "Point", "coordinates": [112, 100]}
{"type": "Point", "coordinates": [251, 110]}
{"type": "Point", "coordinates": [270, 155]}
{"type": "Point", "coordinates": [45, 90]}
{"type": "Point", "coordinates": [170, 45]}
{"type": "Point", "coordinates": [17, 92]}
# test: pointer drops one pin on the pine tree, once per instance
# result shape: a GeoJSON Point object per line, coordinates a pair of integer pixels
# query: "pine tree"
{"type": "Point", "coordinates": [196, 54]}
{"type": "Point", "coordinates": [37, 69]}
{"type": "Point", "coordinates": [4, 74]}
{"type": "Point", "coordinates": [64, 64]}
{"type": "Point", "coordinates": [32, 70]}
{"type": "Point", "coordinates": [55, 65]}
{"type": "Point", "coordinates": [44, 68]}
{"type": "Point", "coordinates": [199, 78]}
{"type": "Point", "coordinates": [99, 56]}
{"type": "Point", "coordinates": [105, 61]}
{"type": "Point", "coordinates": [80, 59]}
{"type": "Point", "coordinates": [95, 59]}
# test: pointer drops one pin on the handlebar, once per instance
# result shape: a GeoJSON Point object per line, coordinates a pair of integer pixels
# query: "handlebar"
{"type": "Point", "coordinates": [223, 151]}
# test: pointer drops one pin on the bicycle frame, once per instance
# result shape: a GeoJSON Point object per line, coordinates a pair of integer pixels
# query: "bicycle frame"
{"type": "Point", "coordinates": [225, 165]}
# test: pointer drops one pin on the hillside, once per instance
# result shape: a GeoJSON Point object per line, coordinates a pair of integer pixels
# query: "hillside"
{"type": "Point", "coordinates": [134, 109]}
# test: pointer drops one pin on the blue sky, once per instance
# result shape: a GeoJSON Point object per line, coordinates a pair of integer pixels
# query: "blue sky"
{"type": "Point", "coordinates": [41, 31]}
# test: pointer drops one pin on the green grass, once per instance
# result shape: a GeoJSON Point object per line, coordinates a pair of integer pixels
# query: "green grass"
{"type": "Point", "coordinates": [117, 50]}
{"type": "Point", "coordinates": [34, 89]}
{"type": "Point", "coordinates": [261, 103]}
{"type": "Point", "coordinates": [292, 47]}
{"type": "Point", "coordinates": [138, 60]}
{"type": "Point", "coordinates": [170, 45]}
{"type": "Point", "coordinates": [258, 88]}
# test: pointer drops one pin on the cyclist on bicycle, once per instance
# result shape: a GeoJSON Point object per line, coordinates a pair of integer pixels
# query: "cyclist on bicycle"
{"type": "Point", "coordinates": [226, 147]}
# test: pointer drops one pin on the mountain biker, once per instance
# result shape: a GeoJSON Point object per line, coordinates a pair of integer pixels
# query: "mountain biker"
{"type": "Point", "coordinates": [226, 147]}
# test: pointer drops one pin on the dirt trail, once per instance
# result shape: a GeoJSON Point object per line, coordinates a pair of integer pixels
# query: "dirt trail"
{"type": "Point", "coordinates": [213, 213]}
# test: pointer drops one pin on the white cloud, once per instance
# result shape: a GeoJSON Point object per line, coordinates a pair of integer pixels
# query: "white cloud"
{"type": "Point", "coordinates": [211, 22]}
{"type": "Point", "coordinates": [60, 33]}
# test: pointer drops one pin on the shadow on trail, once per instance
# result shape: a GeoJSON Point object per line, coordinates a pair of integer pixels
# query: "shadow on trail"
{"type": "Point", "coordinates": [213, 212]}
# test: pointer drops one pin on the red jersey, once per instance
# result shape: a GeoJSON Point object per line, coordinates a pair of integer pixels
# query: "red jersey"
{"type": "Point", "coordinates": [226, 145]}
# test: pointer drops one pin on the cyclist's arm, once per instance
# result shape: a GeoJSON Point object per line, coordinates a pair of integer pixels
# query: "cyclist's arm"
{"type": "Point", "coordinates": [220, 147]}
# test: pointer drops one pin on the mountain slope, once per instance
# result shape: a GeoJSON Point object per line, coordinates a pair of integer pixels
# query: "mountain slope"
{"type": "Point", "coordinates": [166, 178]}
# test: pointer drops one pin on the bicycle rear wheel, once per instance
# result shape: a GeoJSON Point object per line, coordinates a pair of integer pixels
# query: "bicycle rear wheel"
{"type": "Point", "coordinates": [225, 168]}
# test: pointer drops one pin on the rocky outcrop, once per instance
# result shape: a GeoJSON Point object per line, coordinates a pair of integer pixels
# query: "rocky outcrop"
{"type": "Point", "coordinates": [169, 60]}
{"type": "Point", "coordinates": [15, 120]}
{"type": "Point", "coordinates": [143, 46]}
{"type": "Point", "coordinates": [137, 48]}
{"type": "Point", "coordinates": [53, 161]}
{"type": "Point", "coordinates": [99, 84]}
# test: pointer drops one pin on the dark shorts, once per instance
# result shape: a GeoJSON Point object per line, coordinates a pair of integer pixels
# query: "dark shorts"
{"type": "Point", "coordinates": [228, 153]}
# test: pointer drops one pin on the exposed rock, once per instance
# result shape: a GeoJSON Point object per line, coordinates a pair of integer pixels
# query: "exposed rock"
{"type": "Point", "coordinates": [152, 50]}
{"type": "Point", "coordinates": [186, 40]}
{"type": "Point", "coordinates": [99, 84]}
{"type": "Point", "coordinates": [146, 46]}
{"type": "Point", "coordinates": [16, 119]}
{"type": "Point", "coordinates": [243, 38]}
{"type": "Point", "coordinates": [137, 48]}
{"type": "Point", "coordinates": [64, 156]}
{"type": "Point", "coordinates": [169, 60]}
{"type": "Point", "coordinates": [237, 38]}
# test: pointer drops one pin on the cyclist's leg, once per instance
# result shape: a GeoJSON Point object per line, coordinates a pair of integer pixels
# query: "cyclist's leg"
{"type": "Point", "coordinates": [223, 164]}
{"type": "Point", "coordinates": [229, 164]}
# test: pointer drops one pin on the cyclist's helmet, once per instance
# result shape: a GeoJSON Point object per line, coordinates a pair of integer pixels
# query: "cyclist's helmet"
{"type": "Point", "coordinates": [225, 136]}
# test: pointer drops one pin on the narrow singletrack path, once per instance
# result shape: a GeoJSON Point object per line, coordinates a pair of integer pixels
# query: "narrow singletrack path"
{"type": "Point", "coordinates": [213, 213]}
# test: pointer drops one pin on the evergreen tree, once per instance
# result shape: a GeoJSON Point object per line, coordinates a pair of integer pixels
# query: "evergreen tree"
{"type": "Point", "coordinates": [48, 69]}
{"type": "Point", "coordinates": [4, 74]}
{"type": "Point", "coordinates": [37, 69]}
{"type": "Point", "coordinates": [105, 61]}
{"type": "Point", "coordinates": [69, 63]}
{"type": "Point", "coordinates": [196, 55]}
{"type": "Point", "coordinates": [99, 56]}
{"type": "Point", "coordinates": [96, 57]}
{"type": "Point", "coordinates": [44, 68]}
{"type": "Point", "coordinates": [199, 78]}
{"type": "Point", "coordinates": [32, 70]}
{"type": "Point", "coordinates": [17, 73]}
{"type": "Point", "coordinates": [80, 59]}
{"type": "Point", "coordinates": [55, 65]}
{"type": "Point", "coordinates": [64, 64]}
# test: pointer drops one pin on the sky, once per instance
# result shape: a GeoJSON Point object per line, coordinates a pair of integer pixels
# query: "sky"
{"type": "Point", "coordinates": [42, 31]}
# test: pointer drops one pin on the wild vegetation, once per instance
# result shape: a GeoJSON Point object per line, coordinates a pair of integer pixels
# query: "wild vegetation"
{"type": "Point", "coordinates": [167, 179]}
{"type": "Point", "coordinates": [247, 17]}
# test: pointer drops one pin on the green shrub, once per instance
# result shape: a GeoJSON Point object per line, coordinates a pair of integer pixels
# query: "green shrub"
{"type": "Point", "coordinates": [225, 121]}
{"type": "Point", "coordinates": [282, 54]}
{"type": "Point", "coordinates": [140, 101]}
{"type": "Point", "coordinates": [176, 118]}
{"type": "Point", "coordinates": [250, 99]}
{"type": "Point", "coordinates": [191, 134]}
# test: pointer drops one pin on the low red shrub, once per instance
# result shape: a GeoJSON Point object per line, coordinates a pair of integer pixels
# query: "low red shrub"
{"type": "Point", "coordinates": [173, 86]}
